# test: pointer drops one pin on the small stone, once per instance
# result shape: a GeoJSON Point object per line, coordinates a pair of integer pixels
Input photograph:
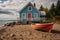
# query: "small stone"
{"type": "Point", "coordinates": [1, 39]}
{"type": "Point", "coordinates": [21, 38]}
{"type": "Point", "coordinates": [28, 33]}
{"type": "Point", "coordinates": [12, 35]}
{"type": "Point", "coordinates": [15, 38]}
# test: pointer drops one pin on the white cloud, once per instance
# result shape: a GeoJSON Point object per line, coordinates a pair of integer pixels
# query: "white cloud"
{"type": "Point", "coordinates": [5, 16]}
{"type": "Point", "coordinates": [19, 4]}
{"type": "Point", "coordinates": [16, 3]}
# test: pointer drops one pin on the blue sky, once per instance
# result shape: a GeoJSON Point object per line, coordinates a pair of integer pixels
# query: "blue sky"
{"type": "Point", "coordinates": [3, 0]}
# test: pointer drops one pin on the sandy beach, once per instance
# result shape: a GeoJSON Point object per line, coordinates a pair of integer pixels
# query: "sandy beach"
{"type": "Point", "coordinates": [25, 32]}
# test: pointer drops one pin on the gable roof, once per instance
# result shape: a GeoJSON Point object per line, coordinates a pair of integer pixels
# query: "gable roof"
{"type": "Point", "coordinates": [27, 5]}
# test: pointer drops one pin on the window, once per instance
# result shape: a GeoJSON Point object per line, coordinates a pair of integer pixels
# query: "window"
{"type": "Point", "coordinates": [29, 8]}
{"type": "Point", "coordinates": [23, 15]}
{"type": "Point", "coordinates": [36, 15]}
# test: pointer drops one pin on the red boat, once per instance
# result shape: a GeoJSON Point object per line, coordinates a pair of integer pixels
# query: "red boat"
{"type": "Point", "coordinates": [47, 26]}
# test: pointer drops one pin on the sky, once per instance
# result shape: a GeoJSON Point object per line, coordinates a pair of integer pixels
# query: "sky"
{"type": "Point", "coordinates": [16, 4]}
{"type": "Point", "coordinates": [3, 0]}
{"type": "Point", "coordinates": [45, 3]}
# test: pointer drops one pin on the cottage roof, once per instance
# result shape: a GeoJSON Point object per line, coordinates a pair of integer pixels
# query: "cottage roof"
{"type": "Point", "coordinates": [24, 5]}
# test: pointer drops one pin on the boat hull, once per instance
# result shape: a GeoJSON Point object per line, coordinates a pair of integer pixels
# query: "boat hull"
{"type": "Point", "coordinates": [47, 26]}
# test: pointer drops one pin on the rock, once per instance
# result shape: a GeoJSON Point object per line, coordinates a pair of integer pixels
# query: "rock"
{"type": "Point", "coordinates": [44, 36]}
{"type": "Point", "coordinates": [15, 38]}
{"type": "Point", "coordinates": [1, 39]}
{"type": "Point", "coordinates": [12, 35]}
{"type": "Point", "coordinates": [28, 33]}
{"type": "Point", "coordinates": [25, 32]}
{"type": "Point", "coordinates": [21, 38]}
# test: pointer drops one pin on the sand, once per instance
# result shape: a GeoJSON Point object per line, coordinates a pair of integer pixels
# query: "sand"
{"type": "Point", "coordinates": [25, 32]}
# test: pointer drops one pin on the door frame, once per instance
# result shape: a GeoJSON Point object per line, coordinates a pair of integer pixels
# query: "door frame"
{"type": "Point", "coordinates": [27, 16]}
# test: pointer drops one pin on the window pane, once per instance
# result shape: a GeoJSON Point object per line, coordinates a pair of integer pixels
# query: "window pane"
{"type": "Point", "coordinates": [23, 15]}
{"type": "Point", "coordinates": [29, 8]}
{"type": "Point", "coordinates": [35, 15]}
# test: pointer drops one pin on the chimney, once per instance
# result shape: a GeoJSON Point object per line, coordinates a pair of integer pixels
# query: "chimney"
{"type": "Point", "coordinates": [34, 5]}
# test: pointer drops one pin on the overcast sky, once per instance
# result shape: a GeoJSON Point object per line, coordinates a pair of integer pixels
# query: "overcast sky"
{"type": "Point", "coordinates": [45, 3]}
{"type": "Point", "coordinates": [16, 4]}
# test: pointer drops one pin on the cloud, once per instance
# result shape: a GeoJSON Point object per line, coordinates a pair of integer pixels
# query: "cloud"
{"type": "Point", "coordinates": [6, 17]}
{"type": "Point", "coordinates": [45, 3]}
{"type": "Point", "coordinates": [3, 1]}
{"type": "Point", "coordinates": [18, 4]}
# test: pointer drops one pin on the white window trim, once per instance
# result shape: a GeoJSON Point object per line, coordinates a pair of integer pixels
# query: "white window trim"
{"type": "Point", "coordinates": [36, 14]}
{"type": "Point", "coordinates": [28, 8]}
{"type": "Point", "coordinates": [24, 17]}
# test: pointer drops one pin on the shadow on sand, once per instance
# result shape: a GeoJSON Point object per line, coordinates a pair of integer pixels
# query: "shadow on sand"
{"type": "Point", "coordinates": [41, 30]}
{"type": "Point", "coordinates": [53, 31]}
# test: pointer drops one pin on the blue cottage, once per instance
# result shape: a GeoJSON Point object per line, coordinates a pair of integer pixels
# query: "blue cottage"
{"type": "Point", "coordinates": [29, 13]}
